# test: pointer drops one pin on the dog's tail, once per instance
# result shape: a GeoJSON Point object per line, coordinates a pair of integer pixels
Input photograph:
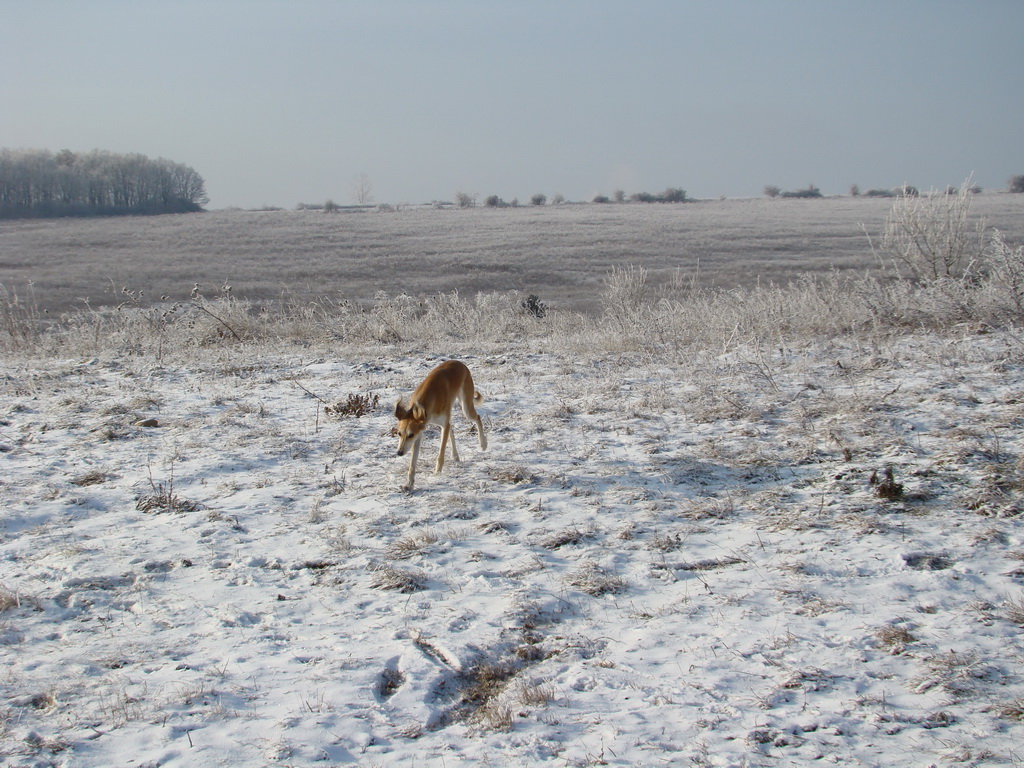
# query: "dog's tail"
{"type": "Point", "coordinates": [477, 397]}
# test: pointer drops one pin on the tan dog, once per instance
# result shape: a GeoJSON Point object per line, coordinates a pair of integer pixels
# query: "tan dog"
{"type": "Point", "coordinates": [431, 403]}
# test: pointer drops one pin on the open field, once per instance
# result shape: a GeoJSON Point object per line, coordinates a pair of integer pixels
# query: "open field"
{"type": "Point", "coordinates": [763, 526]}
{"type": "Point", "coordinates": [655, 563]}
{"type": "Point", "coordinates": [560, 253]}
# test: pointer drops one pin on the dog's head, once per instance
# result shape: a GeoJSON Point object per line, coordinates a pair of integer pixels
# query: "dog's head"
{"type": "Point", "coordinates": [411, 421]}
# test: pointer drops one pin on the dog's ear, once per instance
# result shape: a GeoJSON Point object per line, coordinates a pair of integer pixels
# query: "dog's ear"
{"type": "Point", "coordinates": [401, 412]}
{"type": "Point", "coordinates": [418, 412]}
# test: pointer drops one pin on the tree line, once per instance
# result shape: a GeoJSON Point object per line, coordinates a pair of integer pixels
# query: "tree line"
{"type": "Point", "coordinates": [41, 183]}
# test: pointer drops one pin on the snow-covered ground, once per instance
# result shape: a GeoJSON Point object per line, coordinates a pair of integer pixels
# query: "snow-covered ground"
{"type": "Point", "coordinates": [655, 563]}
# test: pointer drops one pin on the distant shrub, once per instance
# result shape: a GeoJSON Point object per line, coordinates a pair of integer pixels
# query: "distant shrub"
{"type": "Point", "coordinates": [1016, 183]}
{"type": "Point", "coordinates": [331, 207]}
{"type": "Point", "coordinates": [538, 199]}
{"type": "Point", "coordinates": [465, 200]}
{"type": "Point", "coordinates": [600, 199]}
{"type": "Point", "coordinates": [879, 193]}
{"type": "Point", "coordinates": [557, 199]}
{"type": "Point", "coordinates": [619, 195]}
{"type": "Point", "coordinates": [492, 201]}
{"type": "Point", "coordinates": [804, 194]}
{"type": "Point", "coordinates": [772, 191]}
{"type": "Point", "coordinates": [534, 306]}
{"type": "Point", "coordinates": [670, 195]}
{"type": "Point", "coordinates": [854, 190]}
{"type": "Point", "coordinates": [909, 190]}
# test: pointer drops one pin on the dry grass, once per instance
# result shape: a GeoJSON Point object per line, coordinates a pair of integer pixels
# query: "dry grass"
{"type": "Point", "coordinates": [9, 599]}
{"type": "Point", "coordinates": [164, 499]}
{"type": "Point", "coordinates": [894, 638]}
{"type": "Point", "coordinates": [389, 682]}
{"type": "Point", "coordinates": [118, 706]}
{"type": "Point", "coordinates": [12, 599]}
{"type": "Point", "coordinates": [92, 477]}
{"type": "Point", "coordinates": [495, 691]}
{"type": "Point", "coordinates": [531, 693]}
{"type": "Point", "coordinates": [591, 579]}
{"type": "Point", "coordinates": [955, 674]}
{"type": "Point", "coordinates": [298, 257]}
{"type": "Point", "coordinates": [886, 487]}
{"type": "Point", "coordinates": [45, 701]}
{"type": "Point", "coordinates": [412, 544]}
{"type": "Point", "coordinates": [1012, 710]}
{"type": "Point", "coordinates": [514, 475]}
{"type": "Point", "coordinates": [406, 580]}
{"type": "Point", "coordinates": [354, 406]}
{"type": "Point", "coordinates": [486, 680]}
{"type": "Point", "coordinates": [1014, 610]}
{"type": "Point", "coordinates": [566, 537]}
{"type": "Point", "coordinates": [758, 324]}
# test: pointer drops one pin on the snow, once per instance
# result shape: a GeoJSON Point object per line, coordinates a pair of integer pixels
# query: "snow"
{"type": "Point", "coordinates": [657, 562]}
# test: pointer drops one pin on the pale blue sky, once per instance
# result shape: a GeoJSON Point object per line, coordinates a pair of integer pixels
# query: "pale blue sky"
{"type": "Point", "coordinates": [276, 103]}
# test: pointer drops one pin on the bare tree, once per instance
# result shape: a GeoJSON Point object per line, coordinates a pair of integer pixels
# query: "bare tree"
{"type": "Point", "coordinates": [362, 190]}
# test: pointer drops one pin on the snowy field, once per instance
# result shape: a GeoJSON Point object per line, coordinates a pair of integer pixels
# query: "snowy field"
{"type": "Point", "coordinates": [762, 525]}
{"type": "Point", "coordinates": [672, 560]}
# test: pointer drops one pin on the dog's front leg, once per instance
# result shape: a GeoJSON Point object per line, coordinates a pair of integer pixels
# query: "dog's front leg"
{"type": "Point", "coordinates": [455, 451]}
{"type": "Point", "coordinates": [446, 434]}
{"type": "Point", "coordinates": [413, 456]}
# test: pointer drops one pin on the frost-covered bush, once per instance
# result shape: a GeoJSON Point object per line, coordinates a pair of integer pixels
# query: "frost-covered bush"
{"type": "Point", "coordinates": [1003, 283]}
{"type": "Point", "coordinates": [933, 237]}
{"type": "Point", "coordinates": [20, 320]}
